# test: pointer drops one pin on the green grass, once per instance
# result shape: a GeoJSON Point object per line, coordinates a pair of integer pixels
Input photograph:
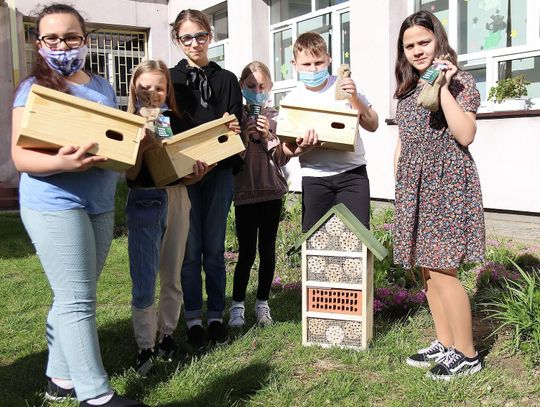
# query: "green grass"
{"type": "Point", "coordinates": [260, 367]}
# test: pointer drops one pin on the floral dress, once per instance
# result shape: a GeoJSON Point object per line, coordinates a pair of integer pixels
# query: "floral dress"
{"type": "Point", "coordinates": [439, 217]}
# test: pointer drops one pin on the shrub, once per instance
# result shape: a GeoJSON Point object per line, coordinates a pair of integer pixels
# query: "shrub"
{"type": "Point", "coordinates": [518, 309]}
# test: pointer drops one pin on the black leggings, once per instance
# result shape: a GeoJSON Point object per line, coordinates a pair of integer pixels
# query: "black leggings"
{"type": "Point", "coordinates": [264, 218]}
{"type": "Point", "coordinates": [320, 194]}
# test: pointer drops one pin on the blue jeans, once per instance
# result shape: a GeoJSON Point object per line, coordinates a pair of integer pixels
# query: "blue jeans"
{"type": "Point", "coordinates": [146, 219]}
{"type": "Point", "coordinates": [158, 224]}
{"type": "Point", "coordinates": [210, 203]}
{"type": "Point", "coordinates": [72, 246]}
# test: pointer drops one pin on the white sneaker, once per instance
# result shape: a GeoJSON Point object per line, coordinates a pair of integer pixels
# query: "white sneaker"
{"type": "Point", "coordinates": [236, 315]}
{"type": "Point", "coordinates": [262, 313]}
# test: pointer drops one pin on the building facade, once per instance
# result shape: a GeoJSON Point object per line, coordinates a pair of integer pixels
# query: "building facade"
{"type": "Point", "coordinates": [495, 39]}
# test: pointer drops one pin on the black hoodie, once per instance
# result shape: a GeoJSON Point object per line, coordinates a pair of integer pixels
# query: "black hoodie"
{"type": "Point", "coordinates": [226, 96]}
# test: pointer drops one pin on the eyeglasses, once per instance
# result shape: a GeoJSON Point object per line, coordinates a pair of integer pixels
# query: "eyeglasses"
{"type": "Point", "coordinates": [201, 38]}
{"type": "Point", "coordinates": [53, 41]}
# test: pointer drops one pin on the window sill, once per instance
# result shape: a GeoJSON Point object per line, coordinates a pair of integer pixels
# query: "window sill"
{"type": "Point", "coordinates": [509, 114]}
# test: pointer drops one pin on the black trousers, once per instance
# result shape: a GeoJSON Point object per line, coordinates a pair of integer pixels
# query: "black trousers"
{"type": "Point", "coordinates": [263, 219]}
{"type": "Point", "coordinates": [320, 194]}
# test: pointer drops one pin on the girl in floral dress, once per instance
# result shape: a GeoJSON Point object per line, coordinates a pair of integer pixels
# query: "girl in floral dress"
{"type": "Point", "coordinates": [439, 221]}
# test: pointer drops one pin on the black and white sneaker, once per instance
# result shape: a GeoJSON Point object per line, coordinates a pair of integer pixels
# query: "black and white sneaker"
{"type": "Point", "coordinates": [426, 356]}
{"type": "Point", "coordinates": [145, 361]}
{"type": "Point", "coordinates": [195, 338]}
{"type": "Point", "coordinates": [57, 393]}
{"type": "Point", "coordinates": [453, 364]}
{"type": "Point", "coordinates": [218, 333]}
{"type": "Point", "coordinates": [167, 348]}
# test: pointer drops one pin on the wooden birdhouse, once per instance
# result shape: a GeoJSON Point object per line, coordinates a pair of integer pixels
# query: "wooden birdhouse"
{"type": "Point", "coordinates": [337, 281]}
{"type": "Point", "coordinates": [337, 128]}
{"type": "Point", "coordinates": [173, 157]}
{"type": "Point", "coordinates": [53, 119]}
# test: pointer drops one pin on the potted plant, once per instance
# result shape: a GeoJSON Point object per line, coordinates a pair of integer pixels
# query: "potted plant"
{"type": "Point", "coordinates": [507, 95]}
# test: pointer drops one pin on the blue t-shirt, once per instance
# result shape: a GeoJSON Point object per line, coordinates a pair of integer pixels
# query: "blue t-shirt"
{"type": "Point", "coordinates": [92, 190]}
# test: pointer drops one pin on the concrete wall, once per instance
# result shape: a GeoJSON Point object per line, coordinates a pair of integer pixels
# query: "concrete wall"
{"type": "Point", "coordinates": [8, 175]}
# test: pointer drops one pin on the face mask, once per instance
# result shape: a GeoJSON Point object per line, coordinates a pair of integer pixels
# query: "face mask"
{"type": "Point", "coordinates": [254, 98]}
{"type": "Point", "coordinates": [65, 62]}
{"type": "Point", "coordinates": [313, 79]}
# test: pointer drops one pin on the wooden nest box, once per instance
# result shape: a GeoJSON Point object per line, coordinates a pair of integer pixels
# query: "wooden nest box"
{"type": "Point", "coordinates": [337, 128]}
{"type": "Point", "coordinates": [173, 158]}
{"type": "Point", "coordinates": [55, 119]}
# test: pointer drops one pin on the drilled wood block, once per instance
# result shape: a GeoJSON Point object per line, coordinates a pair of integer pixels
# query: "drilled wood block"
{"type": "Point", "coordinates": [337, 128]}
{"type": "Point", "coordinates": [53, 119]}
{"type": "Point", "coordinates": [210, 142]}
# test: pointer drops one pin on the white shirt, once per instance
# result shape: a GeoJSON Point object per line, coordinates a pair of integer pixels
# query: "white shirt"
{"type": "Point", "coordinates": [321, 162]}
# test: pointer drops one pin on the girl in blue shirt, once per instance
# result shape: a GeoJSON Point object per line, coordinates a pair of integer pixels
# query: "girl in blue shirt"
{"type": "Point", "coordinates": [67, 207]}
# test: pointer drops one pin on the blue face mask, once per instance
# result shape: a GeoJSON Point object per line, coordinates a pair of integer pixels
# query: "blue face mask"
{"type": "Point", "coordinates": [313, 79]}
{"type": "Point", "coordinates": [254, 98]}
{"type": "Point", "coordinates": [65, 62]}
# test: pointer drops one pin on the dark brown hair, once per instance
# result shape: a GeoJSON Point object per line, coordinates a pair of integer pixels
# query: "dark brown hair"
{"type": "Point", "coordinates": [44, 75]}
{"type": "Point", "coordinates": [312, 43]}
{"type": "Point", "coordinates": [195, 16]}
{"type": "Point", "coordinates": [406, 75]}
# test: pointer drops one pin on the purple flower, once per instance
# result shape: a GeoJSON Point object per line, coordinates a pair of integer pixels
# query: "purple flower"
{"type": "Point", "coordinates": [389, 227]}
{"type": "Point", "coordinates": [231, 256]}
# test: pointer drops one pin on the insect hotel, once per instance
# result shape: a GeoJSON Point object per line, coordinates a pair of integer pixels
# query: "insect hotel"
{"type": "Point", "coordinates": [337, 281]}
{"type": "Point", "coordinates": [173, 157]}
{"type": "Point", "coordinates": [53, 119]}
{"type": "Point", "coordinates": [336, 128]}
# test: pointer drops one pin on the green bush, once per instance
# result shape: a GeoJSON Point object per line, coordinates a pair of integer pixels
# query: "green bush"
{"type": "Point", "coordinates": [518, 309]}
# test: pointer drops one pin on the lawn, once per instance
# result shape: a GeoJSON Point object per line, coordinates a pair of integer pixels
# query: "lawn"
{"type": "Point", "coordinates": [260, 367]}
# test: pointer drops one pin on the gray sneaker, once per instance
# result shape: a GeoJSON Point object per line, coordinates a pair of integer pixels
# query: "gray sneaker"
{"type": "Point", "coordinates": [262, 313]}
{"type": "Point", "coordinates": [236, 316]}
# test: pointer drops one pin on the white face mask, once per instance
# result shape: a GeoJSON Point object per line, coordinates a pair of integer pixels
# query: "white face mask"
{"type": "Point", "coordinates": [65, 62]}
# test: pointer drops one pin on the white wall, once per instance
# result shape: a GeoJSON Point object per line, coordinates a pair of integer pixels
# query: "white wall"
{"type": "Point", "coordinates": [506, 152]}
{"type": "Point", "coordinates": [127, 13]}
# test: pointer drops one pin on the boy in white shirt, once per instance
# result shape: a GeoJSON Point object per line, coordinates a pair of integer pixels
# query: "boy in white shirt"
{"type": "Point", "coordinates": [330, 177]}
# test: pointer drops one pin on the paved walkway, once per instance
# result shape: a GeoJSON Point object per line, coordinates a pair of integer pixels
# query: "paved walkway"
{"type": "Point", "coordinates": [521, 228]}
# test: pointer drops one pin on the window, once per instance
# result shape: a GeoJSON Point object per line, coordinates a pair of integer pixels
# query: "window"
{"type": "Point", "coordinates": [345, 38]}
{"type": "Point", "coordinates": [283, 69]}
{"type": "Point", "coordinates": [217, 54]}
{"type": "Point", "coordinates": [112, 54]}
{"type": "Point", "coordinates": [282, 10]}
{"type": "Point", "coordinates": [219, 21]}
{"type": "Point", "coordinates": [319, 4]}
{"type": "Point", "coordinates": [331, 19]}
{"type": "Point", "coordinates": [494, 39]}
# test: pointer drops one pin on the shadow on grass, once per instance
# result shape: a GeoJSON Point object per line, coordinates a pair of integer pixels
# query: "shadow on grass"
{"type": "Point", "coordinates": [286, 305]}
{"type": "Point", "coordinates": [24, 382]}
{"type": "Point", "coordinates": [15, 240]}
{"type": "Point", "coordinates": [231, 390]}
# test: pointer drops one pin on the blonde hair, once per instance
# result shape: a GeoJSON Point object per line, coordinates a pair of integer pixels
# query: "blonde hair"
{"type": "Point", "coordinates": [255, 66]}
{"type": "Point", "coordinates": [310, 42]}
{"type": "Point", "coordinates": [151, 65]}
